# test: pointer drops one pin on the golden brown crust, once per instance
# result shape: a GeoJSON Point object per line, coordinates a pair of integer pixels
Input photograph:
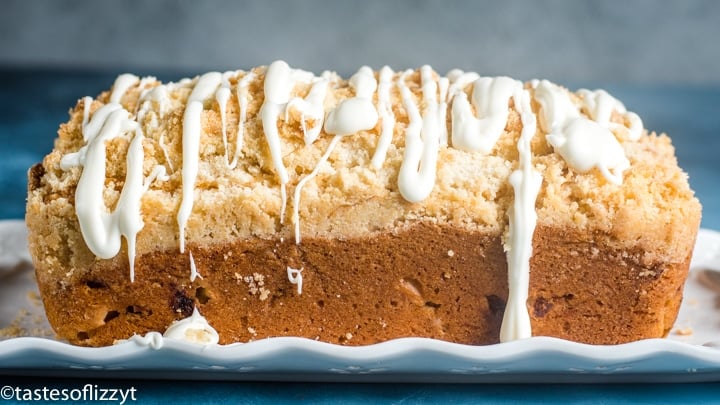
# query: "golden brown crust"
{"type": "Point", "coordinates": [361, 239]}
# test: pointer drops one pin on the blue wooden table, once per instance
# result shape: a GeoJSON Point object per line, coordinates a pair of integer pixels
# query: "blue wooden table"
{"type": "Point", "coordinates": [34, 103]}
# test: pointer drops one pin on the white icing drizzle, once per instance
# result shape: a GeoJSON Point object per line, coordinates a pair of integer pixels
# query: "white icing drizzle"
{"type": "Point", "coordinates": [193, 269]}
{"type": "Point", "coordinates": [99, 119]}
{"type": "Point", "coordinates": [158, 94]}
{"type": "Point", "coordinates": [298, 189]}
{"type": "Point", "coordinates": [192, 129]}
{"type": "Point", "coordinates": [166, 153]}
{"type": "Point", "coordinates": [422, 140]}
{"type": "Point", "coordinates": [356, 113]}
{"type": "Point", "coordinates": [443, 87]}
{"type": "Point", "coordinates": [87, 102]}
{"type": "Point", "coordinates": [584, 144]}
{"type": "Point", "coordinates": [526, 182]}
{"type": "Point", "coordinates": [459, 80]}
{"type": "Point", "coordinates": [490, 100]}
{"type": "Point", "coordinates": [295, 277]}
{"type": "Point", "coordinates": [600, 105]}
{"type": "Point", "coordinates": [311, 106]}
{"type": "Point", "coordinates": [222, 95]}
{"type": "Point", "coordinates": [194, 329]}
{"type": "Point", "coordinates": [241, 91]}
{"type": "Point", "coordinates": [121, 86]}
{"type": "Point", "coordinates": [153, 340]}
{"type": "Point", "coordinates": [144, 92]}
{"type": "Point", "coordinates": [278, 85]}
{"type": "Point", "coordinates": [101, 229]}
{"type": "Point", "coordinates": [386, 115]}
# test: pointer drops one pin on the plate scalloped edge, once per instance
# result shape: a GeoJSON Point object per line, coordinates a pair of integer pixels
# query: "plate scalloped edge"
{"type": "Point", "coordinates": [414, 359]}
{"type": "Point", "coordinates": [291, 356]}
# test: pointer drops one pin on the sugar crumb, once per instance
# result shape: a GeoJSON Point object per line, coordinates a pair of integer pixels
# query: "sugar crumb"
{"type": "Point", "coordinates": [684, 331]}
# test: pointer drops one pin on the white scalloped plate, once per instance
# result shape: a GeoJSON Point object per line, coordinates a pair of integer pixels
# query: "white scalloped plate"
{"type": "Point", "coordinates": [688, 354]}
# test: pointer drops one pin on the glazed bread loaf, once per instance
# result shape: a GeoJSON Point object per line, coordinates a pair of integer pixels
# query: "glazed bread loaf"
{"type": "Point", "coordinates": [279, 203]}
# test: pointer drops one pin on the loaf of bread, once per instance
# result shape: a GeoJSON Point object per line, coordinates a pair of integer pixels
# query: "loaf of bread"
{"type": "Point", "coordinates": [280, 203]}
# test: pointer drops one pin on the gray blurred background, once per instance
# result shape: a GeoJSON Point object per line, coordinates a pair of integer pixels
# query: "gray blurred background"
{"type": "Point", "coordinates": [640, 41]}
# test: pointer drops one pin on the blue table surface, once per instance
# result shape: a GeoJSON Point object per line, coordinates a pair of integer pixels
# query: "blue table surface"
{"type": "Point", "coordinates": [34, 102]}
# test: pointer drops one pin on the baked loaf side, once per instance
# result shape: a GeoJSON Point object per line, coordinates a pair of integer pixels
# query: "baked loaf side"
{"type": "Point", "coordinates": [462, 208]}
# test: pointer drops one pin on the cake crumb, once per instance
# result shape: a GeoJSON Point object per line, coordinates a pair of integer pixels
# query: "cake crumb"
{"type": "Point", "coordinates": [12, 331]}
{"type": "Point", "coordinates": [451, 253]}
{"type": "Point", "coordinates": [647, 273]}
{"type": "Point", "coordinates": [252, 331]}
{"type": "Point", "coordinates": [256, 284]}
{"type": "Point", "coordinates": [446, 275]}
{"type": "Point", "coordinates": [34, 297]}
{"type": "Point", "coordinates": [684, 331]}
{"type": "Point", "coordinates": [348, 336]}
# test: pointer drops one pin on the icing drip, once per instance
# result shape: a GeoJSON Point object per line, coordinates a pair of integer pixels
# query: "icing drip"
{"type": "Point", "coordinates": [194, 329]}
{"type": "Point", "coordinates": [192, 128]}
{"type": "Point", "coordinates": [122, 84]}
{"type": "Point", "coordinates": [153, 340]}
{"type": "Point", "coordinates": [87, 102]}
{"type": "Point", "coordinates": [387, 116]}
{"type": "Point", "coordinates": [356, 113]}
{"type": "Point", "coordinates": [193, 269]}
{"type": "Point", "coordinates": [422, 140]}
{"type": "Point", "coordinates": [295, 277]}
{"type": "Point", "coordinates": [443, 87]}
{"type": "Point", "coordinates": [584, 144]}
{"type": "Point", "coordinates": [490, 100]}
{"type": "Point", "coordinates": [222, 95]}
{"type": "Point", "coordinates": [311, 106]}
{"type": "Point", "coordinates": [526, 183]}
{"type": "Point", "coordinates": [600, 105]}
{"type": "Point", "coordinates": [459, 80]}
{"type": "Point", "coordinates": [159, 94]}
{"type": "Point", "coordinates": [242, 96]}
{"type": "Point", "coordinates": [166, 153]}
{"type": "Point", "coordinates": [298, 189]}
{"type": "Point", "coordinates": [101, 229]}
{"type": "Point", "coordinates": [278, 85]}
{"type": "Point", "coordinates": [99, 119]}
